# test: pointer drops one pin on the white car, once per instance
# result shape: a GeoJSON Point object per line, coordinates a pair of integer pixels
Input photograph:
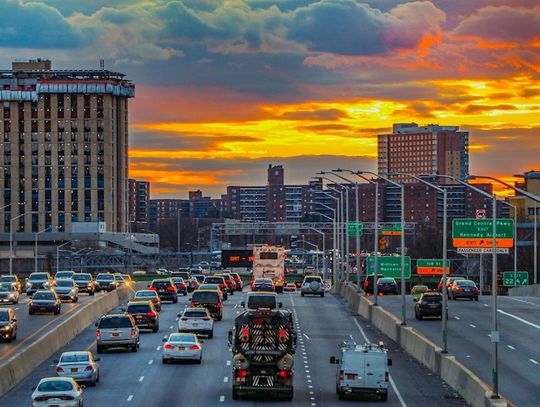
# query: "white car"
{"type": "Point", "coordinates": [196, 320]}
{"type": "Point", "coordinates": [181, 346]}
{"type": "Point", "coordinates": [67, 289]}
{"type": "Point", "coordinates": [57, 391]}
{"type": "Point", "coordinates": [80, 365]}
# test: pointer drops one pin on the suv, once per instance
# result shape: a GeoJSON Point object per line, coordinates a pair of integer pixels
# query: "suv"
{"type": "Point", "coordinates": [210, 300]}
{"type": "Point", "coordinates": [196, 320]}
{"type": "Point", "coordinates": [13, 280]}
{"type": "Point", "coordinates": [106, 282]}
{"type": "Point", "coordinates": [145, 314]}
{"type": "Point", "coordinates": [67, 289]}
{"type": "Point", "coordinates": [312, 285]}
{"type": "Point", "coordinates": [85, 282]}
{"type": "Point", "coordinates": [165, 289]}
{"type": "Point", "coordinates": [368, 283]}
{"type": "Point", "coordinates": [387, 285]}
{"type": "Point", "coordinates": [256, 300]}
{"type": "Point", "coordinates": [8, 324]}
{"type": "Point", "coordinates": [45, 300]}
{"type": "Point", "coordinates": [217, 280]}
{"type": "Point", "coordinates": [429, 305]}
{"type": "Point", "coordinates": [238, 281]}
{"type": "Point", "coordinates": [117, 330]}
{"type": "Point", "coordinates": [38, 281]}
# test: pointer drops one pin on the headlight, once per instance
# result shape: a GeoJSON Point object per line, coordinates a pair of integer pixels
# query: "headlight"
{"type": "Point", "coordinates": [4, 328]}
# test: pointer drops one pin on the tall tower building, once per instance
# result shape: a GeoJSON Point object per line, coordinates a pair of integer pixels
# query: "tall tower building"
{"type": "Point", "coordinates": [64, 147]}
{"type": "Point", "coordinates": [424, 150]}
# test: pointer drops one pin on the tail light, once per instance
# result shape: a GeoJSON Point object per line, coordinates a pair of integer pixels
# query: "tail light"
{"type": "Point", "coordinates": [206, 319]}
{"type": "Point", "coordinates": [183, 319]}
{"type": "Point", "coordinates": [89, 368]}
{"type": "Point", "coordinates": [65, 397]}
{"type": "Point", "coordinates": [244, 335]}
{"type": "Point", "coordinates": [285, 373]}
{"type": "Point", "coordinates": [151, 314]}
{"type": "Point", "coordinates": [168, 346]}
{"type": "Point", "coordinates": [283, 335]}
{"type": "Point", "coordinates": [475, 289]}
{"type": "Point", "coordinates": [241, 373]}
{"type": "Point", "coordinates": [218, 304]}
{"type": "Point", "coordinates": [151, 288]}
{"type": "Point", "coordinates": [42, 398]}
{"type": "Point", "coordinates": [195, 347]}
{"type": "Point", "coordinates": [169, 288]}
{"type": "Point", "coordinates": [98, 334]}
{"type": "Point", "coordinates": [133, 332]}
{"type": "Point", "coordinates": [59, 369]}
{"type": "Point", "coordinates": [386, 377]}
{"type": "Point", "coordinates": [341, 375]}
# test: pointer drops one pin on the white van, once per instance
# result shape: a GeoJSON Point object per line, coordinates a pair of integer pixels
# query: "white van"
{"type": "Point", "coordinates": [363, 369]}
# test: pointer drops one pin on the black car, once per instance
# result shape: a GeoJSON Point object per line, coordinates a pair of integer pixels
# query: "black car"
{"type": "Point", "coordinates": [145, 314]}
{"type": "Point", "coordinates": [387, 285]}
{"type": "Point", "coordinates": [45, 300]}
{"type": "Point", "coordinates": [106, 282]}
{"type": "Point", "coordinates": [85, 282]}
{"type": "Point", "coordinates": [166, 289]}
{"type": "Point", "coordinates": [8, 324]}
{"type": "Point", "coordinates": [368, 283]}
{"type": "Point", "coordinates": [184, 274]}
{"type": "Point", "coordinates": [429, 305]}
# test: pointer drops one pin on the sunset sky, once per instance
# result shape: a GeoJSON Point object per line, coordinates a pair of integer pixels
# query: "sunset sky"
{"type": "Point", "coordinates": [223, 88]}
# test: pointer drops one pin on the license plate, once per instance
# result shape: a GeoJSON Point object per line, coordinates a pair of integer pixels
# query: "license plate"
{"type": "Point", "coordinates": [181, 348]}
{"type": "Point", "coordinates": [467, 290]}
{"type": "Point", "coordinates": [115, 334]}
{"type": "Point", "coordinates": [433, 306]}
{"type": "Point", "coordinates": [195, 324]}
{"type": "Point", "coordinates": [351, 376]}
{"type": "Point", "coordinates": [74, 370]}
{"type": "Point", "coordinates": [139, 317]}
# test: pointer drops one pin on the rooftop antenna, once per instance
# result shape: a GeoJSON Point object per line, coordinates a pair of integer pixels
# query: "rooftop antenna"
{"type": "Point", "coordinates": [102, 64]}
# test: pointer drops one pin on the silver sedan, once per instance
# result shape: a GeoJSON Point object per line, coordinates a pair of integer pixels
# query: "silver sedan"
{"type": "Point", "coordinates": [59, 391]}
{"type": "Point", "coordinates": [9, 293]}
{"type": "Point", "coordinates": [182, 346]}
{"type": "Point", "coordinates": [80, 365]}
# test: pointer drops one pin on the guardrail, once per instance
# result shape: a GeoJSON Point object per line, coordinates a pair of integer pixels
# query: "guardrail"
{"type": "Point", "coordinates": [525, 291]}
{"type": "Point", "coordinates": [473, 389]}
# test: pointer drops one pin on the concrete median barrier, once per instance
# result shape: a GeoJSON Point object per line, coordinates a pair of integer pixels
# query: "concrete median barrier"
{"type": "Point", "coordinates": [473, 389]}
{"type": "Point", "coordinates": [18, 366]}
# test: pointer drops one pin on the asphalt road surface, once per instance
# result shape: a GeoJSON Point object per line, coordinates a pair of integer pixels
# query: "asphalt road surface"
{"type": "Point", "coordinates": [140, 379]}
{"type": "Point", "coordinates": [469, 327]}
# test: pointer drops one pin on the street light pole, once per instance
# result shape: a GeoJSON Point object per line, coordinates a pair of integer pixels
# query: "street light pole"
{"type": "Point", "coordinates": [334, 231]}
{"type": "Point", "coordinates": [11, 242]}
{"type": "Point", "coordinates": [179, 216]}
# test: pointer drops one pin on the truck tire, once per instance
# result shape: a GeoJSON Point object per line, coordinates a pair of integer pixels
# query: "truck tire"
{"type": "Point", "coordinates": [384, 396]}
{"type": "Point", "coordinates": [100, 349]}
{"type": "Point", "coordinates": [289, 396]}
{"type": "Point", "coordinates": [235, 395]}
{"type": "Point", "coordinates": [341, 395]}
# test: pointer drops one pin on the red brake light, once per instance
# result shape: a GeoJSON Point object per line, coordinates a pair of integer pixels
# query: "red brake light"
{"type": "Point", "coordinates": [151, 288]}
{"type": "Point", "coordinates": [283, 335]}
{"type": "Point", "coordinates": [133, 332]}
{"type": "Point", "coordinates": [244, 335]}
{"type": "Point", "coordinates": [184, 319]}
{"type": "Point", "coordinates": [151, 314]}
{"type": "Point", "coordinates": [218, 304]}
{"type": "Point", "coordinates": [285, 373]}
{"type": "Point", "coordinates": [341, 375]}
{"type": "Point", "coordinates": [241, 373]}
{"type": "Point", "coordinates": [168, 346]}
{"type": "Point", "coordinates": [169, 288]}
{"type": "Point", "coordinates": [66, 398]}
{"type": "Point", "coordinates": [206, 319]}
{"type": "Point", "coordinates": [98, 334]}
{"type": "Point", "coordinates": [195, 347]}
{"type": "Point", "coordinates": [59, 369]}
{"type": "Point", "coordinates": [89, 368]}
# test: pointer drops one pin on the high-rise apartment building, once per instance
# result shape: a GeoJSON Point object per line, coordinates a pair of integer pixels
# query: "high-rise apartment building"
{"type": "Point", "coordinates": [430, 149]}
{"type": "Point", "coordinates": [139, 201]}
{"type": "Point", "coordinates": [64, 147]}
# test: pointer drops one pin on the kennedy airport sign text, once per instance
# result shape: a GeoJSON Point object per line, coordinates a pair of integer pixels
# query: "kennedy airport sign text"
{"type": "Point", "coordinates": [478, 233]}
{"type": "Point", "coordinates": [389, 266]}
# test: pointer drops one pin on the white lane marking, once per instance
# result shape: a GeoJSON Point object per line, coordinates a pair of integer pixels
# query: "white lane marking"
{"type": "Point", "coordinates": [523, 301]}
{"type": "Point", "coordinates": [350, 336]}
{"type": "Point", "coordinates": [130, 397]}
{"type": "Point", "coordinates": [171, 327]}
{"type": "Point", "coordinates": [151, 361]}
{"type": "Point", "coordinates": [141, 378]}
{"type": "Point", "coordinates": [228, 363]}
{"type": "Point", "coordinates": [519, 319]}
{"type": "Point", "coordinates": [486, 305]}
{"type": "Point", "coordinates": [308, 376]}
{"type": "Point", "coordinates": [457, 318]}
{"type": "Point", "coordinates": [16, 308]}
{"type": "Point", "coordinates": [472, 325]}
{"type": "Point", "coordinates": [221, 399]}
{"type": "Point", "coordinates": [225, 379]}
{"type": "Point", "coordinates": [468, 356]}
{"type": "Point", "coordinates": [307, 337]}
{"type": "Point", "coordinates": [392, 383]}
{"type": "Point", "coordinates": [158, 348]}
{"type": "Point", "coordinates": [534, 361]}
{"type": "Point", "coordinates": [310, 386]}
{"type": "Point", "coordinates": [510, 347]}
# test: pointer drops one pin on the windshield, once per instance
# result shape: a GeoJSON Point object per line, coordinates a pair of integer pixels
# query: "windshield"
{"type": "Point", "coordinates": [74, 357]}
{"type": "Point", "coordinates": [65, 283]}
{"type": "Point", "coordinates": [5, 287]}
{"type": "Point", "coordinates": [9, 279]}
{"type": "Point", "coordinates": [183, 338]}
{"type": "Point", "coordinates": [115, 322]}
{"type": "Point", "coordinates": [82, 277]}
{"type": "Point", "coordinates": [4, 316]}
{"type": "Point", "coordinates": [261, 301]}
{"type": "Point", "coordinates": [43, 296]}
{"type": "Point", "coordinates": [105, 277]}
{"type": "Point", "coordinates": [195, 314]}
{"type": "Point", "coordinates": [55, 385]}
{"type": "Point", "coordinates": [38, 276]}
{"type": "Point", "coordinates": [138, 308]}
{"type": "Point", "coordinates": [205, 296]}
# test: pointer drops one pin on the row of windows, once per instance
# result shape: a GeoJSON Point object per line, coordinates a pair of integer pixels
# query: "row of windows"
{"type": "Point", "coordinates": [60, 137]}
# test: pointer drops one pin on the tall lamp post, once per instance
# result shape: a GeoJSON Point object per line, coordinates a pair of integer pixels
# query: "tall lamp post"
{"type": "Point", "coordinates": [36, 247]}
{"type": "Point", "coordinates": [179, 217]}
{"type": "Point", "coordinates": [334, 230]}
{"type": "Point", "coordinates": [11, 242]}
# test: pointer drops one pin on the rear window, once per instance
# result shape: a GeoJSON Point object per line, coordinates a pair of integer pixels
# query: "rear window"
{"type": "Point", "coordinates": [138, 308]}
{"type": "Point", "coordinates": [205, 296]}
{"type": "Point", "coordinates": [432, 298]}
{"type": "Point", "coordinates": [262, 301]}
{"type": "Point", "coordinates": [43, 296]}
{"type": "Point", "coordinates": [311, 279]}
{"type": "Point", "coordinates": [161, 284]}
{"type": "Point", "coordinates": [465, 283]}
{"type": "Point", "coordinates": [178, 280]}
{"type": "Point", "coordinates": [195, 314]}
{"type": "Point", "coordinates": [38, 276]}
{"type": "Point", "coordinates": [55, 385]}
{"type": "Point", "coordinates": [115, 322]}
{"type": "Point", "coordinates": [190, 338]}
{"type": "Point", "coordinates": [146, 294]}
{"type": "Point", "coordinates": [386, 280]}
{"type": "Point", "coordinates": [78, 357]}
{"type": "Point", "coordinates": [214, 280]}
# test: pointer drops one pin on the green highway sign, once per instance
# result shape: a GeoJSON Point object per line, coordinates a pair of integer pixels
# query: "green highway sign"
{"type": "Point", "coordinates": [389, 266]}
{"type": "Point", "coordinates": [355, 227]}
{"type": "Point", "coordinates": [522, 278]}
{"type": "Point", "coordinates": [482, 228]}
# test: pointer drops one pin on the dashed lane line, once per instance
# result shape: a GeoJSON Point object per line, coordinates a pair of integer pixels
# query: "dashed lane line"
{"type": "Point", "coordinates": [130, 397]}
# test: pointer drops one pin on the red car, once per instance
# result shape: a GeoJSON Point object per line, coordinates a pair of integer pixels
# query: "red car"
{"type": "Point", "coordinates": [449, 282]}
{"type": "Point", "coordinates": [181, 287]}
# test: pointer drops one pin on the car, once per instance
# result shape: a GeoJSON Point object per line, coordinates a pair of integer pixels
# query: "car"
{"type": "Point", "coordinates": [368, 283]}
{"type": "Point", "coordinates": [258, 299]}
{"type": "Point", "coordinates": [124, 280]}
{"type": "Point", "coordinates": [9, 293]}
{"type": "Point", "coordinates": [192, 284]}
{"type": "Point", "coordinates": [429, 305]}
{"type": "Point", "coordinates": [116, 330]}
{"type": "Point", "coordinates": [210, 300]}
{"type": "Point", "coordinates": [312, 285]}
{"type": "Point", "coordinates": [165, 288]}
{"type": "Point", "coordinates": [139, 273]}
{"type": "Point", "coordinates": [181, 346]}
{"type": "Point", "coordinates": [82, 366]}
{"type": "Point", "coordinates": [38, 281]}
{"type": "Point", "coordinates": [262, 284]}
{"type": "Point", "coordinates": [463, 289]}
{"type": "Point", "coordinates": [106, 282]}
{"type": "Point", "coordinates": [145, 314]}
{"type": "Point", "coordinates": [215, 265]}
{"type": "Point", "coordinates": [148, 295]}
{"type": "Point", "coordinates": [183, 274]}
{"type": "Point", "coordinates": [59, 391]}
{"type": "Point", "coordinates": [196, 320]}
{"type": "Point", "coordinates": [200, 277]}
{"type": "Point", "coordinates": [45, 300]}
{"type": "Point", "coordinates": [362, 369]}
{"type": "Point", "coordinates": [163, 272]}
{"type": "Point", "coordinates": [449, 282]}
{"type": "Point", "coordinates": [85, 283]}
{"type": "Point", "coordinates": [229, 280]}
{"type": "Point", "coordinates": [238, 281]}
{"type": "Point", "coordinates": [181, 286]}
{"type": "Point", "coordinates": [220, 281]}
{"type": "Point", "coordinates": [418, 290]}
{"type": "Point", "coordinates": [67, 289]}
{"type": "Point", "coordinates": [64, 274]}
{"type": "Point", "coordinates": [212, 287]}
{"type": "Point", "coordinates": [204, 265]}
{"type": "Point", "coordinates": [195, 269]}
{"type": "Point", "coordinates": [290, 287]}
{"type": "Point", "coordinates": [14, 280]}
{"type": "Point", "coordinates": [387, 285]}
{"type": "Point", "coordinates": [8, 324]}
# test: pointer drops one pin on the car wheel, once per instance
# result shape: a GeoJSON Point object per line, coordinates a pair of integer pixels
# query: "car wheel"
{"type": "Point", "coordinates": [30, 311]}
{"type": "Point", "coordinates": [471, 299]}
{"type": "Point", "coordinates": [322, 295]}
{"type": "Point", "coordinates": [175, 300]}
{"type": "Point", "coordinates": [164, 361]}
{"type": "Point", "coordinates": [57, 311]}
{"type": "Point", "coordinates": [91, 293]}
{"type": "Point", "coordinates": [341, 395]}
{"type": "Point", "coordinates": [211, 334]}
{"type": "Point", "coordinates": [97, 377]}
{"type": "Point", "coordinates": [384, 396]}
{"type": "Point", "coordinates": [199, 361]}
{"type": "Point", "coordinates": [220, 317]}
{"type": "Point", "coordinates": [155, 329]}
{"type": "Point", "coordinates": [100, 349]}
{"type": "Point", "coordinates": [302, 294]}
{"type": "Point", "coordinates": [185, 293]}
{"type": "Point", "coordinates": [476, 298]}
{"type": "Point", "coordinates": [134, 348]}
{"type": "Point", "coordinates": [76, 299]}
{"type": "Point", "coordinates": [420, 317]}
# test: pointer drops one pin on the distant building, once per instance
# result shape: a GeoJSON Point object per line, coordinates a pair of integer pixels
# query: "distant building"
{"type": "Point", "coordinates": [139, 203]}
{"type": "Point", "coordinates": [526, 207]}
{"type": "Point", "coordinates": [430, 149]}
{"type": "Point", "coordinates": [161, 209]}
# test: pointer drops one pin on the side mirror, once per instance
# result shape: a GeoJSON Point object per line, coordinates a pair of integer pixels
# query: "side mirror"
{"type": "Point", "coordinates": [14, 319]}
{"type": "Point", "coordinates": [97, 359]}
{"type": "Point", "coordinates": [389, 362]}
{"type": "Point", "coordinates": [164, 340]}
{"type": "Point", "coordinates": [201, 340]}
{"type": "Point", "coordinates": [230, 338]}
{"type": "Point", "coordinates": [178, 315]}
{"type": "Point", "coordinates": [82, 386]}
{"type": "Point", "coordinates": [415, 299]}
{"type": "Point", "coordinates": [96, 324]}
{"type": "Point", "coordinates": [34, 388]}
{"type": "Point", "coordinates": [243, 304]}
{"type": "Point", "coordinates": [280, 305]}
{"type": "Point", "coordinates": [334, 360]}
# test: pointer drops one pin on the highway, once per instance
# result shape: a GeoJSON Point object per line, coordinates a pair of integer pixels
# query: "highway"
{"type": "Point", "coordinates": [140, 379]}
{"type": "Point", "coordinates": [31, 327]}
{"type": "Point", "coordinates": [469, 327]}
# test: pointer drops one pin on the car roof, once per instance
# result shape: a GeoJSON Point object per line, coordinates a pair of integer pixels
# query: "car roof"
{"type": "Point", "coordinates": [75, 353]}
{"type": "Point", "coordinates": [312, 276]}
{"type": "Point", "coordinates": [146, 291]}
{"type": "Point", "coordinates": [195, 309]}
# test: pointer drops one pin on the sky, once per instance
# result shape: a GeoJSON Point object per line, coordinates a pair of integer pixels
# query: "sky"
{"type": "Point", "coordinates": [226, 87]}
